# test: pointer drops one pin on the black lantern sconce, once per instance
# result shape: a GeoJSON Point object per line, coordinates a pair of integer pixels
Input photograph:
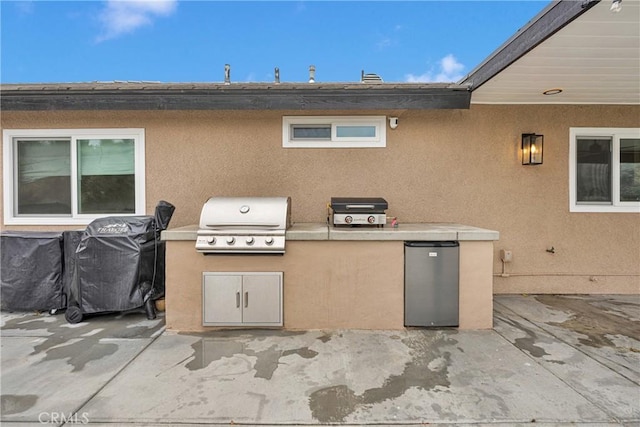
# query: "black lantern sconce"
{"type": "Point", "coordinates": [532, 149]}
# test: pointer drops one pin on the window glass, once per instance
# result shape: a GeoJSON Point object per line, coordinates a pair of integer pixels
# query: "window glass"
{"type": "Point", "coordinates": [593, 170]}
{"type": "Point", "coordinates": [311, 132]}
{"type": "Point", "coordinates": [355, 131]}
{"type": "Point", "coordinates": [334, 132]}
{"type": "Point", "coordinates": [629, 170]}
{"type": "Point", "coordinates": [106, 176]}
{"type": "Point", "coordinates": [43, 177]}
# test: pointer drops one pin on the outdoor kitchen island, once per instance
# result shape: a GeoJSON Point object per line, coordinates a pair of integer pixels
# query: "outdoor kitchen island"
{"type": "Point", "coordinates": [334, 278]}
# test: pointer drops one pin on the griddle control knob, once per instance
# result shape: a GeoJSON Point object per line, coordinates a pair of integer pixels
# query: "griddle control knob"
{"type": "Point", "coordinates": [371, 219]}
{"type": "Point", "coordinates": [250, 241]}
{"type": "Point", "coordinates": [269, 241]}
{"type": "Point", "coordinates": [348, 219]}
{"type": "Point", "coordinates": [211, 240]}
{"type": "Point", "coordinates": [231, 240]}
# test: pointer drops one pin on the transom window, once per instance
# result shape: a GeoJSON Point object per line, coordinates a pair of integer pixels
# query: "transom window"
{"type": "Point", "coordinates": [71, 176]}
{"type": "Point", "coordinates": [604, 170]}
{"type": "Point", "coordinates": [333, 132]}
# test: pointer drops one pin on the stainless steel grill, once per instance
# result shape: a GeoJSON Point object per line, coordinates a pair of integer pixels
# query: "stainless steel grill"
{"type": "Point", "coordinates": [250, 225]}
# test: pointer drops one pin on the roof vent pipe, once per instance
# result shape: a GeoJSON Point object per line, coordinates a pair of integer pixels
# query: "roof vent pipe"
{"type": "Point", "coordinates": [227, 74]}
{"type": "Point", "coordinates": [312, 73]}
{"type": "Point", "coordinates": [277, 74]}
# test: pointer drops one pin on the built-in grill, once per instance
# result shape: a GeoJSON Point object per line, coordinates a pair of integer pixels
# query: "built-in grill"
{"type": "Point", "coordinates": [359, 211]}
{"type": "Point", "coordinates": [244, 225]}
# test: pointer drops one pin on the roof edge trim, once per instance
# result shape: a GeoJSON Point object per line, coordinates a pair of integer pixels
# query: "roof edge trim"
{"type": "Point", "coordinates": [550, 20]}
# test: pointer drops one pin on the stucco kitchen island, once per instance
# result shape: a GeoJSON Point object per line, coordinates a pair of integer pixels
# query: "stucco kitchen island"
{"type": "Point", "coordinates": [334, 278]}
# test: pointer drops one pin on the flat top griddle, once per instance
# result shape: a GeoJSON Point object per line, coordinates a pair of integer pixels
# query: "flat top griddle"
{"type": "Point", "coordinates": [359, 204]}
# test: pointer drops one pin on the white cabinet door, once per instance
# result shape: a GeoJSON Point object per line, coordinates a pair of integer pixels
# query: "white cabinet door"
{"type": "Point", "coordinates": [222, 299]}
{"type": "Point", "coordinates": [262, 299]}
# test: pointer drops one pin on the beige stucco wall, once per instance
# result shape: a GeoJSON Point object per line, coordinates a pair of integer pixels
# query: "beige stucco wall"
{"type": "Point", "coordinates": [329, 284]}
{"type": "Point", "coordinates": [439, 166]}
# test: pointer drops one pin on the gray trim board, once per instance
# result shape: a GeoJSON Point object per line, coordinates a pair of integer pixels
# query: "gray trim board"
{"type": "Point", "coordinates": [132, 96]}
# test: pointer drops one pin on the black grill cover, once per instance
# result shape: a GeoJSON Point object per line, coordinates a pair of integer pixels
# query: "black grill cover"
{"type": "Point", "coordinates": [32, 271]}
{"type": "Point", "coordinates": [71, 240]}
{"type": "Point", "coordinates": [115, 264]}
{"type": "Point", "coordinates": [119, 262]}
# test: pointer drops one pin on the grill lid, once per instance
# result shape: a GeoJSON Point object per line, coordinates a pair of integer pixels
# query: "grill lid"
{"type": "Point", "coordinates": [246, 213]}
{"type": "Point", "coordinates": [359, 204]}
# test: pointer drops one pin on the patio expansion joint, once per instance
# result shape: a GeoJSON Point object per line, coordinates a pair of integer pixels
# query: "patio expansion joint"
{"type": "Point", "coordinates": [152, 339]}
{"type": "Point", "coordinates": [543, 365]}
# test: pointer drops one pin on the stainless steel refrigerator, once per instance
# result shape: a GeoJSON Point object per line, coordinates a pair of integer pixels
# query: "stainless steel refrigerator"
{"type": "Point", "coordinates": [431, 288]}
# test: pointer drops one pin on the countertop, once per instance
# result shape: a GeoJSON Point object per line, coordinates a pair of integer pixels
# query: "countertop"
{"type": "Point", "coordinates": [322, 231]}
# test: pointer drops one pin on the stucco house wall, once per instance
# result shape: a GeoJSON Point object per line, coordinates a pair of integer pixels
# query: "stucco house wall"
{"type": "Point", "coordinates": [458, 166]}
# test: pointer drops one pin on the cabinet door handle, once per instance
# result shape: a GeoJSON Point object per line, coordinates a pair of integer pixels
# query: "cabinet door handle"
{"type": "Point", "coordinates": [238, 299]}
{"type": "Point", "coordinates": [246, 299]}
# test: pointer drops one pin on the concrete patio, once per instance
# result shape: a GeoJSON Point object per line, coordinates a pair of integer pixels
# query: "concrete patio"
{"type": "Point", "coordinates": [550, 360]}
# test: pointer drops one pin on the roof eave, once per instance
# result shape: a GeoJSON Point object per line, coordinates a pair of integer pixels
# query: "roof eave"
{"type": "Point", "coordinates": [240, 97]}
{"type": "Point", "coordinates": [549, 21]}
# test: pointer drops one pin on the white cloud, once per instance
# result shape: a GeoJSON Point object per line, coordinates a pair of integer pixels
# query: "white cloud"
{"type": "Point", "coordinates": [384, 43]}
{"type": "Point", "coordinates": [449, 70]}
{"type": "Point", "coordinates": [389, 38]}
{"type": "Point", "coordinates": [125, 16]}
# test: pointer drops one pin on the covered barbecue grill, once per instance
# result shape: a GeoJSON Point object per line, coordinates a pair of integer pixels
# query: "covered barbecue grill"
{"type": "Point", "coordinates": [119, 264]}
{"type": "Point", "coordinates": [244, 225]}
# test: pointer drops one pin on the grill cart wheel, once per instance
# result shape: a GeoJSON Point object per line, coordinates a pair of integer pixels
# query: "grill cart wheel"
{"type": "Point", "coordinates": [73, 314]}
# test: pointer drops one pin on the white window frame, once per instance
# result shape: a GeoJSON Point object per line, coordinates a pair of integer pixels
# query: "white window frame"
{"type": "Point", "coordinates": [9, 171]}
{"type": "Point", "coordinates": [378, 141]}
{"type": "Point", "coordinates": [615, 134]}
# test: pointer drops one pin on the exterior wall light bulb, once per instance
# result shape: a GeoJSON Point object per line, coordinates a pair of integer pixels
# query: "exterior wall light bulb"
{"type": "Point", "coordinates": [532, 146]}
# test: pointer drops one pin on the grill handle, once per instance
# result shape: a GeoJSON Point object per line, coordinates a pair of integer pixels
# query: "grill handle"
{"type": "Point", "coordinates": [242, 225]}
{"type": "Point", "coordinates": [360, 207]}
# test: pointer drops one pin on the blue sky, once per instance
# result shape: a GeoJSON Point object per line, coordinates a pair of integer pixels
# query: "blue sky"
{"type": "Point", "coordinates": [191, 41]}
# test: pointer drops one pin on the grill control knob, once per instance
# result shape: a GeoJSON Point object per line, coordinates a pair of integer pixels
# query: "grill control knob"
{"type": "Point", "coordinates": [269, 241]}
{"type": "Point", "coordinates": [250, 241]}
{"type": "Point", "coordinates": [231, 240]}
{"type": "Point", "coordinates": [211, 240]}
{"type": "Point", "coordinates": [371, 219]}
{"type": "Point", "coordinates": [348, 219]}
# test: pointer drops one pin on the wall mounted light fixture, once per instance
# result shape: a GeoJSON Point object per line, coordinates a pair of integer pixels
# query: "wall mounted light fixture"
{"type": "Point", "coordinates": [532, 147]}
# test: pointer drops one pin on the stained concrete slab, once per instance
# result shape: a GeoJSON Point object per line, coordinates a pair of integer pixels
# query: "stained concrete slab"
{"type": "Point", "coordinates": [616, 395]}
{"type": "Point", "coordinates": [605, 327]}
{"type": "Point", "coordinates": [536, 366]}
{"type": "Point", "coordinates": [439, 424]}
{"type": "Point", "coordinates": [353, 377]}
{"type": "Point", "coordinates": [51, 368]}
